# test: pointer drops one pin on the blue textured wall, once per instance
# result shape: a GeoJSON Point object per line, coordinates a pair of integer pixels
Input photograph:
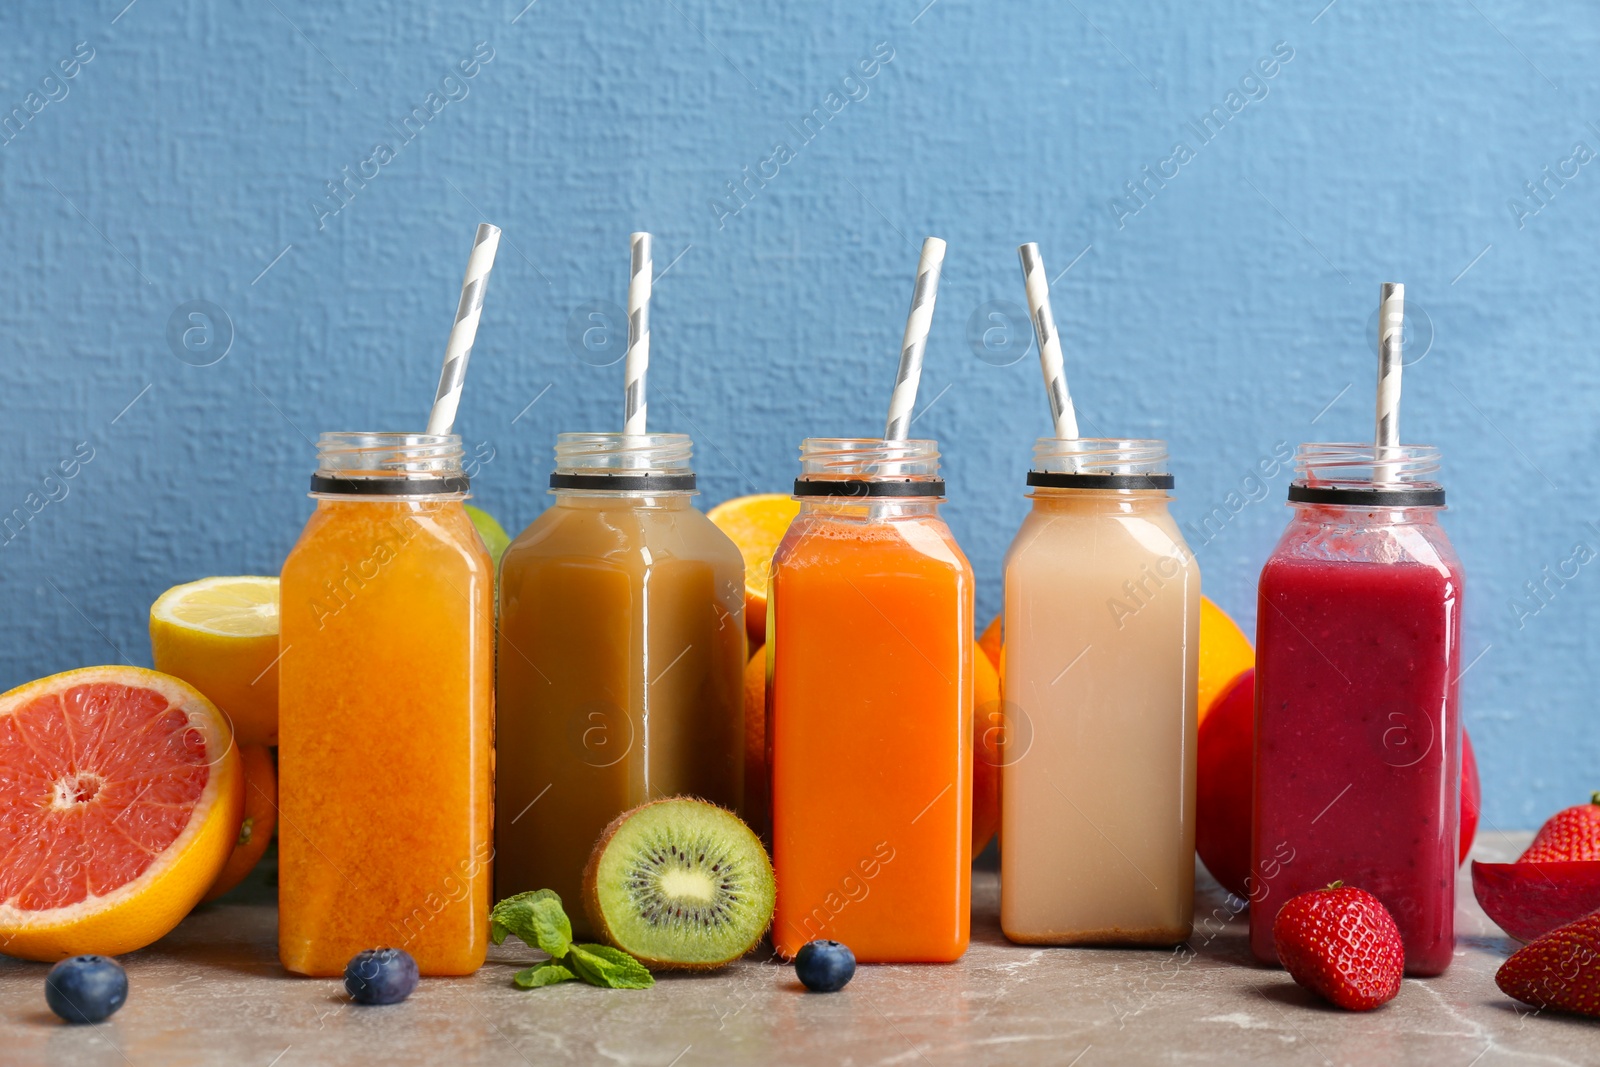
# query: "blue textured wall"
{"type": "Point", "coordinates": [1227, 308]}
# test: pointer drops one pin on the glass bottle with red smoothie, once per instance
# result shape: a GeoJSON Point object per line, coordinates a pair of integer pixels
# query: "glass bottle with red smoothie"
{"type": "Point", "coordinates": [1358, 737]}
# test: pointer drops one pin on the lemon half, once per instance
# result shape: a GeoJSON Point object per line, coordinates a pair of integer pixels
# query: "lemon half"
{"type": "Point", "coordinates": [221, 636]}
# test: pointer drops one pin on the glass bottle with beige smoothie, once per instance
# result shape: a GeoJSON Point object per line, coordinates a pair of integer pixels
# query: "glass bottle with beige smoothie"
{"type": "Point", "coordinates": [622, 647]}
{"type": "Point", "coordinates": [1102, 606]}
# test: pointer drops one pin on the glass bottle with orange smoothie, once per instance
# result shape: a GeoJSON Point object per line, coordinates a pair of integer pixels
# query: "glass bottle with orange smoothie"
{"type": "Point", "coordinates": [1102, 604]}
{"type": "Point", "coordinates": [622, 649]}
{"type": "Point", "coordinates": [385, 712]}
{"type": "Point", "coordinates": [869, 654]}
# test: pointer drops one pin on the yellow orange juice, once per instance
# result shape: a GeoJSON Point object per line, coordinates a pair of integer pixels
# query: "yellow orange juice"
{"type": "Point", "coordinates": [385, 722]}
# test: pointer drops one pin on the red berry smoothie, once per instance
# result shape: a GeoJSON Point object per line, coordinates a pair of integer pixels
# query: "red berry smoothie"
{"type": "Point", "coordinates": [1357, 742]}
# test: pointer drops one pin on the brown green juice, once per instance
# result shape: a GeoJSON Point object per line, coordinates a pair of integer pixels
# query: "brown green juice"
{"type": "Point", "coordinates": [618, 680]}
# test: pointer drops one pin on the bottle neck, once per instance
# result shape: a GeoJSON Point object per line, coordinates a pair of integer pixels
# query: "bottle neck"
{"type": "Point", "coordinates": [874, 509]}
{"type": "Point", "coordinates": [1358, 515]}
{"type": "Point", "coordinates": [1101, 501]}
{"type": "Point", "coordinates": [1367, 477]}
{"type": "Point", "coordinates": [1111, 457]}
{"type": "Point", "coordinates": [623, 467]}
{"type": "Point", "coordinates": [388, 467]}
{"type": "Point", "coordinates": [610, 500]}
{"type": "Point", "coordinates": [1332, 533]}
{"type": "Point", "coordinates": [868, 478]}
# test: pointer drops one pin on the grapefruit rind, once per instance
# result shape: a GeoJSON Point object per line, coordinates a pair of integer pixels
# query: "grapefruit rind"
{"type": "Point", "coordinates": [139, 911]}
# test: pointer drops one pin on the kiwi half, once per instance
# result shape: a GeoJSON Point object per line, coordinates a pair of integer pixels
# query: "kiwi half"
{"type": "Point", "coordinates": [681, 884]}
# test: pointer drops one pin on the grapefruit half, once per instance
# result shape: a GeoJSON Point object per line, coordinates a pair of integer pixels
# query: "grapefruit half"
{"type": "Point", "coordinates": [120, 800]}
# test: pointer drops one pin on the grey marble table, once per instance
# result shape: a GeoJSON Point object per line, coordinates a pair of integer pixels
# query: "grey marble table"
{"type": "Point", "coordinates": [212, 993]}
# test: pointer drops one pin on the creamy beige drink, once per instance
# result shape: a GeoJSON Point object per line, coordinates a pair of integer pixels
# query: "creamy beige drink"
{"type": "Point", "coordinates": [1102, 608]}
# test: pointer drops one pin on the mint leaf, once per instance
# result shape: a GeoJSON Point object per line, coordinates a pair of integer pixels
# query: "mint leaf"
{"type": "Point", "coordinates": [510, 917]}
{"type": "Point", "coordinates": [536, 918]}
{"type": "Point", "coordinates": [612, 968]}
{"type": "Point", "coordinates": [551, 929]}
{"type": "Point", "coordinates": [542, 974]}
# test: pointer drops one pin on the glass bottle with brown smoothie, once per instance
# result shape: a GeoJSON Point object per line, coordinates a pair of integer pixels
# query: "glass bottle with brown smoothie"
{"type": "Point", "coordinates": [621, 652]}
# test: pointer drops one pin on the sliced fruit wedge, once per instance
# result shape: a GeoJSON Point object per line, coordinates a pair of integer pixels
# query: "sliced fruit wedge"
{"type": "Point", "coordinates": [120, 799]}
{"type": "Point", "coordinates": [679, 884]}
{"type": "Point", "coordinates": [237, 606]}
{"type": "Point", "coordinates": [1528, 900]}
{"type": "Point", "coordinates": [221, 636]}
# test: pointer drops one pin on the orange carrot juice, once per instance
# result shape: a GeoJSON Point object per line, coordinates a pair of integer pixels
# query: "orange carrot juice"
{"type": "Point", "coordinates": [385, 713]}
{"type": "Point", "coordinates": [870, 717]}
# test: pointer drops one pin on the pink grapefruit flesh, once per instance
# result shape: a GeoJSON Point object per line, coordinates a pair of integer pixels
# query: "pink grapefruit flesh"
{"type": "Point", "coordinates": [111, 779]}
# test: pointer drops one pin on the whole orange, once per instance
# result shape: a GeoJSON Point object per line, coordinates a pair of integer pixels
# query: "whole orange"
{"type": "Point", "coordinates": [985, 752]}
{"type": "Point", "coordinates": [260, 819]}
{"type": "Point", "coordinates": [755, 524]}
{"type": "Point", "coordinates": [757, 784]}
{"type": "Point", "coordinates": [1225, 652]}
{"type": "Point", "coordinates": [990, 642]}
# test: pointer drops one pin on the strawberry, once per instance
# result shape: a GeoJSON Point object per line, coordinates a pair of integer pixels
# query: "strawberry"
{"type": "Point", "coordinates": [1559, 970]}
{"type": "Point", "coordinates": [1342, 943]}
{"type": "Point", "coordinates": [1570, 834]}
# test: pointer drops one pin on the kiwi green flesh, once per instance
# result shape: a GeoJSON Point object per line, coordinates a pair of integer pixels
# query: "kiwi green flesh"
{"type": "Point", "coordinates": [681, 883]}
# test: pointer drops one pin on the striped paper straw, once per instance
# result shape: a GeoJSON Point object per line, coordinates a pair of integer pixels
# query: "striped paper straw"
{"type": "Point", "coordinates": [1044, 327]}
{"type": "Point", "coordinates": [1391, 325]}
{"type": "Point", "coordinates": [638, 334]}
{"type": "Point", "coordinates": [915, 342]}
{"type": "Point", "coordinates": [459, 348]}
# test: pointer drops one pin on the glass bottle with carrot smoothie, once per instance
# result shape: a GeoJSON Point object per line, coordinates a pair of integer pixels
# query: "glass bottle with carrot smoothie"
{"type": "Point", "coordinates": [1358, 737]}
{"type": "Point", "coordinates": [870, 719]}
{"type": "Point", "coordinates": [385, 712]}
{"type": "Point", "coordinates": [1102, 604]}
{"type": "Point", "coordinates": [622, 648]}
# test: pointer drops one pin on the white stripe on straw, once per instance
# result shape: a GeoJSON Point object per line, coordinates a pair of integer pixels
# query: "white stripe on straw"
{"type": "Point", "coordinates": [459, 348]}
{"type": "Point", "coordinates": [638, 334]}
{"type": "Point", "coordinates": [1391, 327]}
{"type": "Point", "coordinates": [1044, 327]}
{"type": "Point", "coordinates": [915, 342]}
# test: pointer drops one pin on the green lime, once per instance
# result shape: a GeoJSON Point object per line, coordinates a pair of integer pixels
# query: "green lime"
{"type": "Point", "coordinates": [495, 538]}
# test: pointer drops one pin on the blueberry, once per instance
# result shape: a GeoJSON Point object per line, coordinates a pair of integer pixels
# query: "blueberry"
{"type": "Point", "coordinates": [380, 976]}
{"type": "Point", "coordinates": [86, 989]}
{"type": "Point", "coordinates": [824, 966]}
